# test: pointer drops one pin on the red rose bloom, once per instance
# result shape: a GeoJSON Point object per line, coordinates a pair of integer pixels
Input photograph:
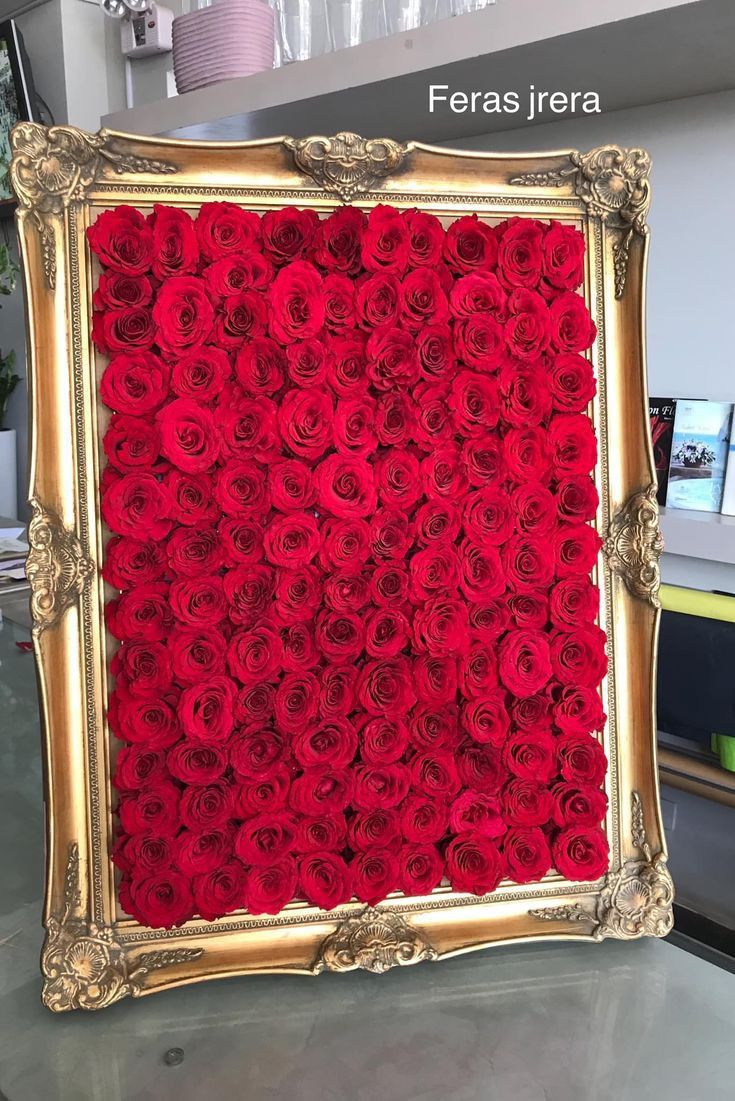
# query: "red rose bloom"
{"type": "Point", "coordinates": [386, 687]}
{"type": "Point", "coordinates": [325, 879]}
{"type": "Point", "coordinates": [581, 853]}
{"type": "Point", "coordinates": [122, 240]}
{"type": "Point", "coordinates": [578, 804]}
{"type": "Point", "coordinates": [581, 759]}
{"type": "Point", "coordinates": [527, 854]}
{"type": "Point", "coordinates": [421, 869]}
{"type": "Point", "coordinates": [473, 810]}
{"type": "Point", "coordinates": [268, 890]}
{"type": "Point", "coordinates": [425, 238]}
{"type": "Point", "coordinates": [473, 864]}
{"type": "Point", "coordinates": [526, 803]}
{"type": "Point", "coordinates": [288, 233]}
{"type": "Point", "coordinates": [572, 328]}
{"type": "Point", "coordinates": [162, 900]}
{"type": "Point", "coordinates": [183, 314]}
{"type": "Point", "coordinates": [129, 329]}
{"type": "Point", "coordinates": [135, 503]}
{"type": "Point", "coordinates": [572, 383]}
{"type": "Point", "coordinates": [563, 257]}
{"type": "Point", "coordinates": [134, 383]}
{"type": "Point", "coordinates": [392, 359]}
{"type": "Point", "coordinates": [338, 240]}
{"type": "Point", "coordinates": [520, 252]}
{"type": "Point", "coordinates": [296, 303]}
{"type": "Point", "coordinates": [224, 229]}
{"type": "Point", "coordinates": [530, 755]}
{"type": "Point", "coordinates": [578, 657]}
{"type": "Point", "coordinates": [175, 245]}
{"type": "Point", "coordinates": [345, 487]}
{"type": "Point", "coordinates": [470, 245]}
{"type": "Point", "coordinates": [375, 875]}
{"type": "Point", "coordinates": [220, 891]}
{"type": "Point", "coordinates": [385, 241]}
{"type": "Point", "coordinates": [578, 711]}
{"type": "Point", "coordinates": [524, 662]}
{"type": "Point", "coordinates": [576, 498]}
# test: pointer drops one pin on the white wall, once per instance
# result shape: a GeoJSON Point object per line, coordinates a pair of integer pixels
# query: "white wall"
{"type": "Point", "coordinates": [691, 278]}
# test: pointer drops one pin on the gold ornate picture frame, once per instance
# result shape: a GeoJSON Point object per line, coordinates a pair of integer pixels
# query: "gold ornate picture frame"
{"type": "Point", "coordinates": [94, 954]}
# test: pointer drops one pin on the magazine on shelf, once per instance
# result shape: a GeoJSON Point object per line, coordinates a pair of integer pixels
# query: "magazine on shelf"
{"type": "Point", "coordinates": [699, 455]}
{"type": "Point", "coordinates": [662, 411]}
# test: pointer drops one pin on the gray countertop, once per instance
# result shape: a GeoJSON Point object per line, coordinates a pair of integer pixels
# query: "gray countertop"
{"type": "Point", "coordinates": [542, 1022]}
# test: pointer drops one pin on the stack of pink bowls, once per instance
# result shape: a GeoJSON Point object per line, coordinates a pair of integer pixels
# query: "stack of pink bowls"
{"type": "Point", "coordinates": [232, 38]}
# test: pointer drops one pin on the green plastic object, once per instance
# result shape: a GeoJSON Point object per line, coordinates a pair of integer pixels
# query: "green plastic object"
{"type": "Point", "coordinates": [724, 746]}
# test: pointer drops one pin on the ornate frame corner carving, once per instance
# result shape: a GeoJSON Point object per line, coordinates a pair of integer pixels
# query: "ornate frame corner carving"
{"type": "Point", "coordinates": [83, 965]}
{"type": "Point", "coordinates": [636, 899]}
{"type": "Point", "coordinates": [346, 164]}
{"type": "Point", "coordinates": [53, 166]}
{"type": "Point", "coordinates": [613, 183]}
{"type": "Point", "coordinates": [57, 566]}
{"type": "Point", "coordinates": [376, 940]}
{"type": "Point", "coordinates": [634, 545]}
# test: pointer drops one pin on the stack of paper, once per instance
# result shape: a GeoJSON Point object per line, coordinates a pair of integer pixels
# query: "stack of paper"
{"type": "Point", "coordinates": [13, 552]}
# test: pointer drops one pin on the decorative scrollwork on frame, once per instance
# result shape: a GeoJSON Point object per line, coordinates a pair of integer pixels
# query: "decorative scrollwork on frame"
{"type": "Point", "coordinates": [53, 166]}
{"type": "Point", "coordinates": [373, 940]}
{"type": "Point", "coordinates": [634, 545]}
{"type": "Point", "coordinates": [636, 901]}
{"type": "Point", "coordinates": [347, 164]}
{"type": "Point", "coordinates": [83, 965]}
{"type": "Point", "coordinates": [57, 566]}
{"type": "Point", "coordinates": [613, 183]}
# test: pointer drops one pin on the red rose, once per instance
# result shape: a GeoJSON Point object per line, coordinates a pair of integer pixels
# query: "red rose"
{"type": "Point", "coordinates": [386, 633]}
{"type": "Point", "coordinates": [331, 742]}
{"type": "Point", "coordinates": [354, 432]}
{"type": "Point", "coordinates": [296, 702]}
{"type": "Point", "coordinates": [153, 810]}
{"type": "Point", "coordinates": [255, 752]}
{"type": "Point", "coordinates": [526, 803]}
{"type": "Point", "coordinates": [573, 601]}
{"type": "Point", "coordinates": [375, 875]}
{"type": "Point", "coordinates": [483, 460]}
{"type": "Point", "coordinates": [339, 303]}
{"type": "Point", "coordinates": [267, 890]}
{"type": "Point", "coordinates": [346, 365]}
{"type": "Point", "coordinates": [527, 854]}
{"type": "Point", "coordinates": [241, 540]}
{"type": "Point", "coordinates": [183, 314]}
{"type": "Point", "coordinates": [442, 474]}
{"type": "Point", "coordinates": [198, 602]}
{"type": "Point", "coordinates": [573, 444]}
{"type": "Point", "coordinates": [486, 719]}
{"type": "Point", "coordinates": [288, 233]}
{"type": "Point", "coordinates": [528, 562]}
{"type": "Point", "coordinates": [175, 245]}
{"type": "Point", "coordinates": [383, 741]}
{"type": "Point", "coordinates": [260, 366]}
{"type": "Point", "coordinates": [478, 670]}
{"type": "Point", "coordinates": [534, 508]}
{"type": "Point", "coordinates": [145, 666]}
{"type": "Point", "coordinates": [136, 765]}
{"type": "Point", "coordinates": [337, 691]}
{"type": "Point", "coordinates": [131, 443]}
{"type": "Point", "coordinates": [242, 317]}
{"type": "Point", "coordinates": [192, 501]}
{"type": "Point", "coordinates": [265, 839]}
{"type": "Point", "coordinates": [435, 727]}
{"type": "Point", "coordinates": [255, 655]}
{"type": "Point", "coordinates": [435, 774]}
{"type": "Point", "coordinates": [220, 891]}
{"type": "Point", "coordinates": [421, 869]}
{"type": "Point", "coordinates": [223, 229]}
{"type": "Point", "coordinates": [563, 256]}
{"type": "Point", "coordinates": [122, 240]}
{"type": "Point", "coordinates": [338, 240]}
{"type": "Point", "coordinates": [473, 864]}
{"type": "Point", "coordinates": [581, 853]}
{"type": "Point", "coordinates": [424, 819]}
{"type": "Point", "coordinates": [392, 359]}
{"type": "Point", "coordinates": [129, 329]}
{"type": "Point", "coordinates": [254, 704]}
{"type": "Point", "coordinates": [244, 271]}
{"type": "Point", "coordinates": [297, 595]}
{"type": "Point", "coordinates": [345, 487]}
{"type": "Point", "coordinates": [532, 711]}
{"type": "Point", "coordinates": [441, 627]}
{"type": "Point", "coordinates": [201, 852]}
{"type": "Point", "coordinates": [529, 608]}
{"type": "Point", "coordinates": [389, 585]}
{"type": "Point", "coordinates": [241, 487]}
{"type": "Point", "coordinates": [425, 238]}
{"type": "Point", "coordinates": [321, 791]}
{"type": "Point", "coordinates": [325, 880]}
{"type": "Point", "coordinates": [520, 252]}
{"type": "Point", "coordinates": [581, 759]}
{"type": "Point", "coordinates": [572, 328]}
{"type": "Point", "coordinates": [527, 330]}
{"type": "Point", "coordinates": [481, 768]}
{"type": "Point", "coordinates": [578, 657]}
{"type": "Point", "coordinates": [380, 786]}
{"type": "Point", "coordinates": [470, 245]}
{"type": "Point", "coordinates": [307, 363]}
{"type": "Point", "coordinates": [147, 721]}
{"type": "Point", "coordinates": [482, 576]}
{"type": "Point", "coordinates": [489, 619]}
{"type": "Point", "coordinates": [196, 763]}
{"type": "Point", "coordinates": [290, 486]}
{"type": "Point", "coordinates": [117, 290]}
{"type": "Point", "coordinates": [432, 423]}
{"type": "Point", "coordinates": [132, 562]}
{"type": "Point", "coordinates": [576, 547]}
{"type": "Point", "coordinates": [391, 534]}
{"type": "Point", "coordinates": [378, 828]}
{"type": "Point", "coordinates": [479, 293]}
{"type": "Point", "coordinates": [474, 402]}
{"type": "Point", "coordinates": [385, 241]}
{"type": "Point", "coordinates": [531, 755]}
{"type": "Point", "coordinates": [527, 454]}
{"type": "Point", "coordinates": [340, 635]}
{"type": "Point", "coordinates": [200, 374]}
{"type": "Point", "coordinates": [577, 498]}
{"type": "Point", "coordinates": [578, 804]}
{"type": "Point", "coordinates": [206, 710]}
{"type": "Point", "coordinates": [189, 437]}
{"type": "Point", "coordinates": [379, 301]}
{"type": "Point", "coordinates": [424, 301]}
{"type": "Point", "coordinates": [146, 854]}
{"type": "Point", "coordinates": [205, 808]}
{"type": "Point", "coordinates": [305, 420]}
{"type": "Point", "coordinates": [397, 479]}
{"type": "Point", "coordinates": [385, 687]}
{"type": "Point", "coordinates": [291, 540]}
{"type": "Point", "coordinates": [325, 833]}
{"type": "Point", "coordinates": [136, 503]}
{"type": "Point", "coordinates": [143, 613]}
{"type": "Point", "coordinates": [578, 711]}
{"type": "Point", "coordinates": [299, 648]}
{"type": "Point", "coordinates": [136, 382]}
{"type": "Point", "coordinates": [479, 342]}
{"type": "Point", "coordinates": [572, 383]}
{"type": "Point", "coordinates": [473, 810]}
{"type": "Point", "coordinates": [161, 900]}
{"type": "Point", "coordinates": [435, 350]}
{"type": "Point", "coordinates": [435, 678]}
{"type": "Point", "coordinates": [194, 552]}
{"type": "Point", "coordinates": [296, 303]}
{"type": "Point", "coordinates": [345, 544]}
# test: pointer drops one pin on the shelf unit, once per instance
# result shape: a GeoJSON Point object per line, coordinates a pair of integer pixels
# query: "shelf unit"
{"type": "Point", "coordinates": [706, 535]}
{"type": "Point", "coordinates": [631, 52]}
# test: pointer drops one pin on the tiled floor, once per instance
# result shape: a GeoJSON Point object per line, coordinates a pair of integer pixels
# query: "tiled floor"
{"type": "Point", "coordinates": [609, 1022]}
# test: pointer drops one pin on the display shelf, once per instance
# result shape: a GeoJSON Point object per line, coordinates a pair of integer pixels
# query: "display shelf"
{"type": "Point", "coordinates": [653, 50]}
{"type": "Point", "coordinates": [707, 535]}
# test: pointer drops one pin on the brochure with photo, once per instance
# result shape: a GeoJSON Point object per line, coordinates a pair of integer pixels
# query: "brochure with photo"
{"type": "Point", "coordinates": [662, 412]}
{"type": "Point", "coordinates": [699, 455]}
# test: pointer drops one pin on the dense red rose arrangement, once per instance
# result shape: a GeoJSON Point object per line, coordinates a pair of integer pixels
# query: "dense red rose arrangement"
{"type": "Point", "coordinates": [348, 481]}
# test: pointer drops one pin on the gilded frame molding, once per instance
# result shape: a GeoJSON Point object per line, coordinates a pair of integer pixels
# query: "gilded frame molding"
{"type": "Point", "coordinates": [63, 177]}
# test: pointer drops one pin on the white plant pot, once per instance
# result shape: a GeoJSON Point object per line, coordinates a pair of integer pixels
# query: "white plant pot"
{"type": "Point", "coordinates": [8, 474]}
